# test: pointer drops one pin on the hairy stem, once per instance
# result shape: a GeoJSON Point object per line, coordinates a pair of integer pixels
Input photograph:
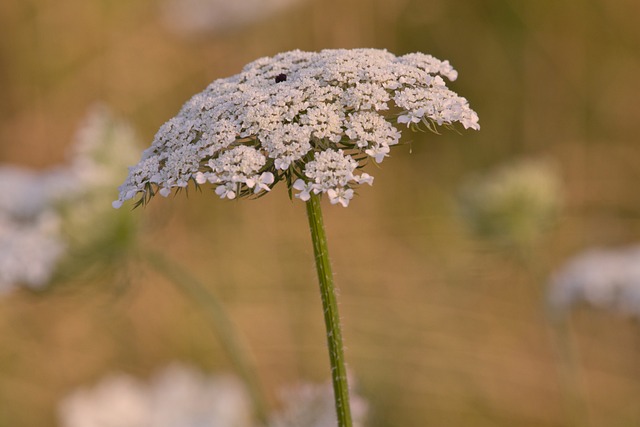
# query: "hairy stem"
{"type": "Point", "coordinates": [331, 316]}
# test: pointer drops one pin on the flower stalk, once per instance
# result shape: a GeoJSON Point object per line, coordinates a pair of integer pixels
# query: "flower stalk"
{"type": "Point", "coordinates": [227, 334]}
{"type": "Point", "coordinates": [330, 309]}
{"type": "Point", "coordinates": [311, 120]}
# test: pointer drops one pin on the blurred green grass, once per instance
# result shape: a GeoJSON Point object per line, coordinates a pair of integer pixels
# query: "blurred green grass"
{"type": "Point", "coordinates": [440, 329]}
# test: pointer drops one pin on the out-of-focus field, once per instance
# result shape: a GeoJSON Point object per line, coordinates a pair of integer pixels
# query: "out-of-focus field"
{"type": "Point", "coordinates": [441, 329]}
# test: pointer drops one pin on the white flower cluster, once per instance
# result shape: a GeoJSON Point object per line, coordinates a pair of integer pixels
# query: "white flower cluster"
{"type": "Point", "coordinates": [30, 228]}
{"type": "Point", "coordinates": [177, 396]}
{"type": "Point", "coordinates": [603, 278]}
{"type": "Point", "coordinates": [102, 149]}
{"type": "Point", "coordinates": [309, 119]}
{"type": "Point", "coordinates": [235, 167]}
{"type": "Point", "coordinates": [45, 213]}
{"type": "Point", "coordinates": [103, 145]}
{"type": "Point", "coordinates": [180, 396]}
{"type": "Point", "coordinates": [28, 252]}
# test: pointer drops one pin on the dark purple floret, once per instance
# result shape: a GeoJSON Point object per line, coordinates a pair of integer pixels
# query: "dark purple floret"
{"type": "Point", "coordinates": [281, 78]}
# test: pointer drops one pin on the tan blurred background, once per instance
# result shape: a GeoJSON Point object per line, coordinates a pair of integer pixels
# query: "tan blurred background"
{"type": "Point", "coordinates": [441, 329]}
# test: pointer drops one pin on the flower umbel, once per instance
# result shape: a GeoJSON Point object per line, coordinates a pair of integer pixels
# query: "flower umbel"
{"type": "Point", "coordinates": [176, 396]}
{"type": "Point", "coordinates": [48, 218]}
{"type": "Point", "coordinates": [308, 119]}
{"type": "Point", "coordinates": [515, 203]}
{"type": "Point", "coordinates": [603, 278]}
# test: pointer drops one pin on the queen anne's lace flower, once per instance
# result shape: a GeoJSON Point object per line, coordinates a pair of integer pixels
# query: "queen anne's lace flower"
{"type": "Point", "coordinates": [46, 216]}
{"type": "Point", "coordinates": [177, 396]}
{"type": "Point", "coordinates": [180, 395]}
{"type": "Point", "coordinates": [603, 278]}
{"type": "Point", "coordinates": [29, 250]}
{"type": "Point", "coordinates": [31, 242]}
{"type": "Point", "coordinates": [309, 119]}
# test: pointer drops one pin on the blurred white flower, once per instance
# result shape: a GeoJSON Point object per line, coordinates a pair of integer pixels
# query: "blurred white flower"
{"type": "Point", "coordinates": [103, 147]}
{"type": "Point", "coordinates": [30, 234]}
{"type": "Point", "coordinates": [117, 401]}
{"type": "Point", "coordinates": [26, 193]}
{"type": "Point", "coordinates": [178, 396]}
{"type": "Point", "coordinates": [183, 397]}
{"type": "Point", "coordinates": [29, 250]}
{"type": "Point", "coordinates": [201, 17]}
{"type": "Point", "coordinates": [603, 278]}
{"type": "Point", "coordinates": [310, 119]}
{"type": "Point", "coordinates": [515, 203]}
{"type": "Point", "coordinates": [43, 214]}
{"type": "Point", "coordinates": [313, 405]}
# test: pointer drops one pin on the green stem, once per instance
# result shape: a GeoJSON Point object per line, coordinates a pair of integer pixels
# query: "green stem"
{"type": "Point", "coordinates": [568, 370]}
{"type": "Point", "coordinates": [223, 326]}
{"type": "Point", "coordinates": [331, 316]}
{"type": "Point", "coordinates": [564, 351]}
